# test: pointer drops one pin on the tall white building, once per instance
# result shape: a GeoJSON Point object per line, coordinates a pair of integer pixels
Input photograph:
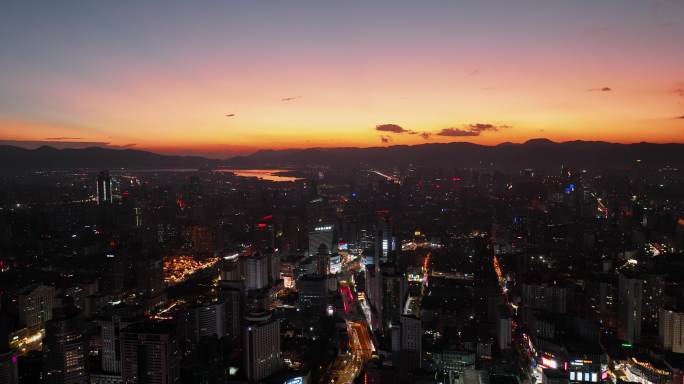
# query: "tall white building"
{"type": "Point", "coordinates": [261, 351]}
{"type": "Point", "coordinates": [256, 271]}
{"type": "Point", "coordinates": [671, 330]}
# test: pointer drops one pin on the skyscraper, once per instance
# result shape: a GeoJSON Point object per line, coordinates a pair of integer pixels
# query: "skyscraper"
{"type": "Point", "coordinates": [256, 271]}
{"type": "Point", "coordinates": [411, 342]}
{"type": "Point", "coordinates": [104, 188]}
{"type": "Point", "coordinates": [261, 349]}
{"type": "Point", "coordinates": [35, 306]}
{"type": "Point", "coordinates": [64, 348]}
{"type": "Point", "coordinates": [629, 308]}
{"type": "Point", "coordinates": [384, 241]}
{"type": "Point", "coordinates": [231, 293]}
{"type": "Point", "coordinates": [208, 319]}
{"type": "Point", "coordinates": [322, 234]}
{"type": "Point", "coordinates": [110, 332]}
{"type": "Point", "coordinates": [150, 353]}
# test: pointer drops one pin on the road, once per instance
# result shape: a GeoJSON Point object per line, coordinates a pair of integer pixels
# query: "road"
{"type": "Point", "coordinates": [346, 367]}
{"type": "Point", "coordinates": [386, 176]}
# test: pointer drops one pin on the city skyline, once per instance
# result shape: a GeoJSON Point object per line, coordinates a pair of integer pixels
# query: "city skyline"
{"type": "Point", "coordinates": [227, 78]}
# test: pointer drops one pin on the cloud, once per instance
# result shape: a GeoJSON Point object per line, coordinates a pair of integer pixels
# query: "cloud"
{"type": "Point", "coordinates": [680, 117]}
{"type": "Point", "coordinates": [61, 138]}
{"type": "Point", "coordinates": [480, 127]}
{"type": "Point", "coordinates": [678, 91]}
{"type": "Point", "coordinates": [394, 128]}
{"type": "Point", "coordinates": [602, 89]}
{"type": "Point", "coordinates": [385, 139]}
{"type": "Point", "coordinates": [457, 132]}
{"type": "Point", "coordinates": [425, 135]}
{"type": "Point", "coordinates": [473, 73]}
{"type": "Point", "coordinates": [230, 115]}
{"type": "Point", "coordinates": [471, 130]}
{"type": "Point", "coordinates": [290, 98]}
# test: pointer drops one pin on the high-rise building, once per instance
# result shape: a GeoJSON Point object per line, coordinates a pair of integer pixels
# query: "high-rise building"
{"type": "Point", "coordinates": [629, 308]}
{"type": "Point", "coordinates": [104, 188]}
{"type": "Point", "coordinates": [313, 292]}
{"type": "Point", "coordinates": [273, 267]}
{"type": "Point", "coordinates": [503, 332]}
{"type": "Point", "coordinates": [394, 293]}
{"type": "Point", "coordinates": [110, 332]}
{"type": "Point", "coordinates": [384, 241]}
{"type": "Point", "coordinates": [232, 295]}
{"type": "Point", "coordinates": [35, 306]}
{"type": "Point", "coordinates": [150, 353]}
{"type": "Point", "coordinates": [671, 330]}
{"type": "Point", "coordinates": [65, 348]}
{"type": "Point", "coordinates": [150, 280]}
{"type": "Point", "coordinates": [256, 271]}
{"type": "Point", "coordinates": [412, 339]}
{"type": "Point", "coordinates": [208, 320]}
{"type": "Point", "coordinates": [324, 234]}
{"type": "Point", "coordinates": [261, 348]}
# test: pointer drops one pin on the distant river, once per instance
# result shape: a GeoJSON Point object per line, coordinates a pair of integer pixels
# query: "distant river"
{"type": "Point", "coordinates": [263, 174]}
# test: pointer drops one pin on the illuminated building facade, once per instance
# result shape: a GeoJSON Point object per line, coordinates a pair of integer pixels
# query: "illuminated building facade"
{"type": "Point", "coordinates": [261, 354]}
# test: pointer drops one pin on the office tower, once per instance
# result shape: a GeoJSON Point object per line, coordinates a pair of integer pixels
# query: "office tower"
{"type": "Point", "coordinates": [411, 341]}
{"type": "Point", "coordinates": [256, 271]}
{"type": "Point", "coordinates": [104, 188]}
{"type": "Point", "coordinates": [384, 241]}
{"type": "Point", "coordinates": [313, 292]}
{"type": "Point", "coordinates": [671, 330]}
{"type": "Point", "coordinates": [629, 308]}
{"type": "Point", "coordinates": [322, 234]}
{"type": "Point", "coordinates": [264, 235]}
{"type": "Point", "coordinates": [35, 306]}
{"type": "Point", "coordinates": [503, 332]}
{"type": "Point", "coordinates": [394, 292]}
{"type": "Point", "coordinates": [110, 332]}
{"type": "Point", "coordinates": [232, 295]}
{"type": "Point", "coordinates": [261, 349]}
{"type": "Point", "coordinates": [150, 353]}
{"type": "Point", "coordinates": [273, 267]}
{"type": "Point", "coordinates": [208, 320]}
{"type": "Point", "coordinates": [65, 348]}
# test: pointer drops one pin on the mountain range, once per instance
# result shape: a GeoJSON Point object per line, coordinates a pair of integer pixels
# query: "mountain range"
{"type": "Point", "coordinates": [540, 154]}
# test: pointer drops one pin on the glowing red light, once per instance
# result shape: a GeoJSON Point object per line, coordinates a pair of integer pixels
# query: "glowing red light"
{"type": "Point", "coordinates": [267, 217]}
{"type": "Point", "coordinates": [262, 225]}
{"type": "Point", "coordinates": [456, 179]}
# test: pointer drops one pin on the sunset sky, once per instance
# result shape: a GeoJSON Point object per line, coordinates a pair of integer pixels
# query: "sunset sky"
{"type": "Point", "coordinates": [223, 77]}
